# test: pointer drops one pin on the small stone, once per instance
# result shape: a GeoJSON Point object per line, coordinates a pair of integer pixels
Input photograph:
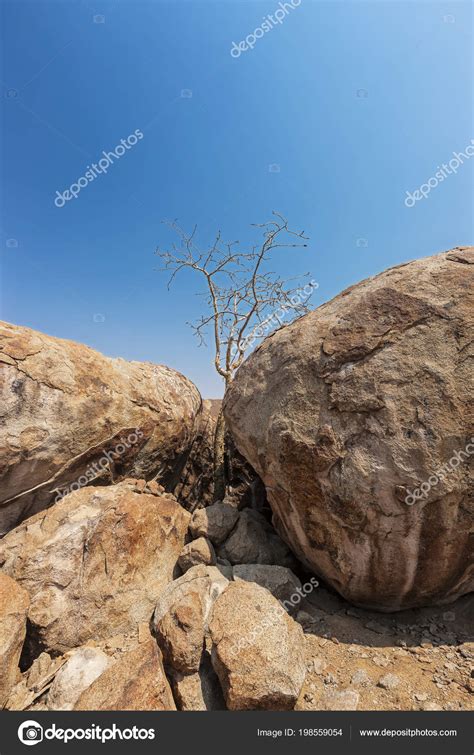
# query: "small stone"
{"type": "Point", "coordinates": [381, 660]}
{"type": "Point", "coordinates": [330, 679]}
{"type": "Point", "coordinates": [316, 666]}
{"type": "Point", "coordinates": [450, 666]}
{"type": "Point", "coordinates": [389, 681]}
{"type": "Point", "coordinates": [197, 552]}
{"type": "Point", "coordinates": [361, 677]}
{"type": "Point", "coordinates": [420, 697]}
{"type": "Point", "coordinates": [449, 616]}
{"type": "Point", "coordinates": [306, 620]}
{"type": "Point", "coordinates": [431, 706]}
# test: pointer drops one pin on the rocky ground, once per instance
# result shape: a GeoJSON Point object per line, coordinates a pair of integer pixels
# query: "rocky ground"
{"type": "Point", "coordinates": [422, 659]}
{"type": "Point", "coordinates": [345, 658]}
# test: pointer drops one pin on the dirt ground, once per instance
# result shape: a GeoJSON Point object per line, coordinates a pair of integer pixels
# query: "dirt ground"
{"type": "Point", "coordinates": [420, 659]}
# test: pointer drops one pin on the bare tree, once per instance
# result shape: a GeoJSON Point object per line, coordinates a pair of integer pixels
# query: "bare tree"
{"type": "Point", "coordinates": [242, 300]}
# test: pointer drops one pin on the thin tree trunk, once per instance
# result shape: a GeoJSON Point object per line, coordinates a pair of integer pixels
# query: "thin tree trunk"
{"type": "Point", "coordinates": [219, 458]}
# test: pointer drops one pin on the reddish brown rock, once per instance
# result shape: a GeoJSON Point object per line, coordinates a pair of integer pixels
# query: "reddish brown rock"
{"type": "Point", "coordinates": [135, 682]}
{"type": "Point", "coordinates": [96, 563]}
{"type": "Point", "coordinates": [348, 410]}
{"type": "Point", "coordinates": [70, 415]}
{"type": "Point", "coordinates": [14, 602]}
{"type": "Point", "coordinates": [258, 651]}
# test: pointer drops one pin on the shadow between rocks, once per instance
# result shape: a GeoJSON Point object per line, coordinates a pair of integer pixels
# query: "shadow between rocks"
{"type": "Point", "coordinates": [325, 614]}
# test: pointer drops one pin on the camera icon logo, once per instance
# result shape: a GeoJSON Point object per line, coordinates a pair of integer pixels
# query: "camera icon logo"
{"type": "Point", "coordinates": [30, 733]}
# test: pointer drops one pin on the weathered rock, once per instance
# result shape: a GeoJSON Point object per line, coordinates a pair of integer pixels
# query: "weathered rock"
{"type": "Point", "coordinates": [361, 677]}
{"type": "Point", "coordinates": [254, 541]}
{"type": "Point", "coordinates": [135, 682]}
{"type": "Point", "coordinates": [34, 684]}
{"type": "Point", "coordinates": [197, 552]}
{"type": "Point", "coordinates": [348, 410]}
{"type": "Point", "coordinates": [198, 691]}
{"type": "Point", "coordinates": [215, 522]}
{"type": "Point", "coordinates": [281, 582]}
{"type": "Point", "coordinates": [389, 681]}
{"type": "Point", "coordinates": [258, 651]}
{"type": "Point", "coordinates": [14, 603]}
{"type": "Point", "coordinates": [95, 563]}
{"type": "Point", "coordinates": [82, 668]}
{"type": "Point", "coordinates": [70, 414]}
{"type": "Point", "coordinates": [182, 614]}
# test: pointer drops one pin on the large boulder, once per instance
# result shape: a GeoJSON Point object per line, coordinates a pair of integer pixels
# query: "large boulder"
{"type": "Point", "coordinates": [96, 563]}
{"type": "Point", "coordinates": [258, 651]}
{"type": "Point", "coordinates": [136, 681]}
{"type": "Point", "coordinates": [14, 603]}
{"type": "Point", "coordinates": [349, 410]}
{"type": "Point", "coordinates": [70, 415]}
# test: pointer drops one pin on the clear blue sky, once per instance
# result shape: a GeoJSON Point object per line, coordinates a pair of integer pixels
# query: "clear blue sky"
{"type": "Point", "coordinates": [73, 87]}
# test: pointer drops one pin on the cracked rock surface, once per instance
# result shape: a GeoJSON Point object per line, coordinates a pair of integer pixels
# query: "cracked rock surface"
{"type": "Point", "coordinates": [96, 563]}
{"type": "Point", "coordinates": [351, 408]}
{"type": "Point", "coordinates": [70, 414]}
